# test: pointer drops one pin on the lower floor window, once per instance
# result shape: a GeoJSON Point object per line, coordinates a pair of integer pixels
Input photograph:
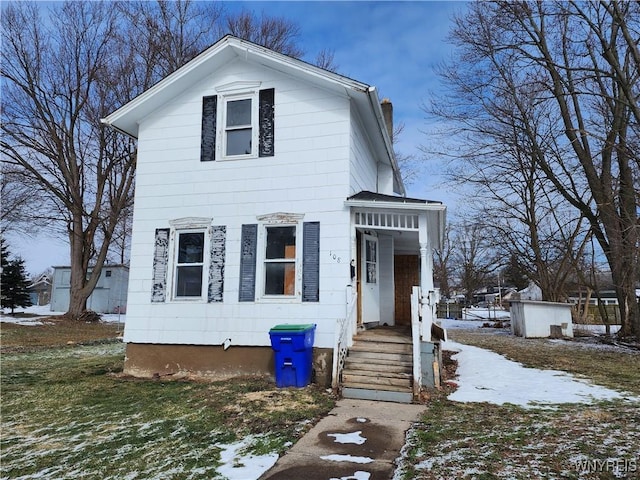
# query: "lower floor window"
{"type": "Point", "coordinates": [280, 261]}
{"type": "Point", "coordinates": [189, 264]}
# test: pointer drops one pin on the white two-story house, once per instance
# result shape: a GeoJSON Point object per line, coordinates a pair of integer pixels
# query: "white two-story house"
{"type": "Point", "coordinates": [266, 193]}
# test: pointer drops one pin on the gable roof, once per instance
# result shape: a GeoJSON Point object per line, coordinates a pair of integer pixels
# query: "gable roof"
{"type": "Point", "coordinates": [364, 97]}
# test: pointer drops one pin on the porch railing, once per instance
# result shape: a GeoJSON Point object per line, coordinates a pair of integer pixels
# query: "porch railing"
{"type": "Point", "coordinates": [346, 328]}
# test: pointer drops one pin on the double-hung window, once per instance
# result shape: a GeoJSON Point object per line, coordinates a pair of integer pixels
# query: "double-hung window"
{"type": "Point", "coordinates": [238, 122]}
{"type": "Point", "coordinates": [239, 127]}
{"type": "Point", "coordinates": [189, 264]}
{"type": "Point", "coordinates": [188, 261]}
{"type": "Point", "coordinates": [280, 261]}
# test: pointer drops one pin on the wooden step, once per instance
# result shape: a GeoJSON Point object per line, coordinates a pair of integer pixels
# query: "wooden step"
{"type": "Point", "coordinates": [380, 339]}
{"type": "Point", "coordinates": [372, 386]}
{"type": "Point", "coordinates": [364, 364]}
{"type": "Point", "coordinates": [377, 380]}
{"type": "Point", "coordinates": [377, 395]}
{"type": "Point", "coordinates": [380, 357]}
{"type": "Point", "coordinates": [381, 347]}
{"type": "Point", "coordinates": [373, 374]}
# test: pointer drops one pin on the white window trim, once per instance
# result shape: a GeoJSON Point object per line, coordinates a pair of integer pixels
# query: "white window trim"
{"type": "Point", "coordinates": [278, 220]}
{"type": "Point", "coordinates": [188, 225]}
{"type": "Point", "coordinates": [238, 91]}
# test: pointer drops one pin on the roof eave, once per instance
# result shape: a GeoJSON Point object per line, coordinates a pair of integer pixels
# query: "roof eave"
{"type": "Point", "coordinates": [125, 119]}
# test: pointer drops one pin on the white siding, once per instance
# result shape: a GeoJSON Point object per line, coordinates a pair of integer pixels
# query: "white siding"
{"type": "Point", "coordinates": [363, 171]}
{"type": "Point", "coordinates": [309, 175]}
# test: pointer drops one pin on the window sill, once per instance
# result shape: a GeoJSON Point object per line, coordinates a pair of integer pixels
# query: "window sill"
{"type": "Point", "coordinates": [279, 299]}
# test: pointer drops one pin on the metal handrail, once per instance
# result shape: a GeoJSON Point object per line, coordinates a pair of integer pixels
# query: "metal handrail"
{"type": "Point", "coordinates": [416, 336]}
{"type": "Point", "coordinates": [344, 337]}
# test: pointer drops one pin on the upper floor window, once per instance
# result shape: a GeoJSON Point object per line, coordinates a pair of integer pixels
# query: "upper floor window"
{"type": "Point", "coordinates": [238, 123]}
{"type": "Point", "coordinates": [239, 129]}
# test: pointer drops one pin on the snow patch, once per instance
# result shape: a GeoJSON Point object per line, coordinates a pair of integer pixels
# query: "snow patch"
{"type": "Point", "coordinates": [236, 466]}
{"type": "Point", "coordinates": [354, 437]}
{"type": "Point", "coordinates": [358, 475]}
{"type": "Point", "coordinates": [347, 458]}
{"type": "Point", "coordinates": [485, 376]}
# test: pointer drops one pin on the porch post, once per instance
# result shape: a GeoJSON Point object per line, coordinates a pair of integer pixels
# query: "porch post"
{"type": "Point", "coordinates": [353, 264]}
{"type": "Point", "coordinates": [426, 278]}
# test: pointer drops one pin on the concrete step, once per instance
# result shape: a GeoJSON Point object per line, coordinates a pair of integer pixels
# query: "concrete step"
{"type": "Point", "coordinates": [377, 395]}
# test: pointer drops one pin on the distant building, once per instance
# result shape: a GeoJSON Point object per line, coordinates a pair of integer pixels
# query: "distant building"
{"type": "Point", "coordinates": [40, 290]}
{"type": "Point", "coordinates": [109, 296]}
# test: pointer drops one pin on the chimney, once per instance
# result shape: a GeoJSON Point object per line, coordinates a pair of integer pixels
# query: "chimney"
{"type": "Point", "coordinates": [387, 114]}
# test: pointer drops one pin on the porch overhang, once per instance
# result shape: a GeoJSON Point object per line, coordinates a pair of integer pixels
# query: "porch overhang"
{"type": "Point", "coordinates": [387, 212]}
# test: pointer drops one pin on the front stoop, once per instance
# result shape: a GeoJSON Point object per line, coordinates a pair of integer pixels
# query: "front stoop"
{"type": "Point", "coordinates": [379, 366]}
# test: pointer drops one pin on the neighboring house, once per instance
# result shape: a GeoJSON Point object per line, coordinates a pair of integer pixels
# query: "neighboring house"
{"type": "Point", "coordinates": [266, 193]}
{"type": "Point", "coordinates": [109, 296]}
{"type": "Point", "coordinates": [40, 289]}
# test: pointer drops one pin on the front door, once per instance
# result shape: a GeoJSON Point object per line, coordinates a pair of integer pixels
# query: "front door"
{"type": "Point", "coordinates": [406, 275]}
{"type": "Point", "coordinates": [369, 280]}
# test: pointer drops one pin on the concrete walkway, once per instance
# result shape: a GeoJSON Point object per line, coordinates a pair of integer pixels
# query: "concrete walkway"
{"type": "Point", "coordinates": [357, 440]}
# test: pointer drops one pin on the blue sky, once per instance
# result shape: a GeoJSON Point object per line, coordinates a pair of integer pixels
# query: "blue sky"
{"type": "Point", "coordinates": [393, 45]}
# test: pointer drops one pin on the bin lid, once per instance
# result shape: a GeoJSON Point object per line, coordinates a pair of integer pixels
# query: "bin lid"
{"type": "Point", "coordinates": [296, 327]}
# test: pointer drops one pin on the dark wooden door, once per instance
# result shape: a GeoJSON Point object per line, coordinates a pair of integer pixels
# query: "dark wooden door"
{"type": "Point", "coordinates": [406, 270]}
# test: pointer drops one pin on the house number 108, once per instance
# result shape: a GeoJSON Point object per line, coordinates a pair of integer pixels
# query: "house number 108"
{"type": "Point", "coordinates": [334, 256]}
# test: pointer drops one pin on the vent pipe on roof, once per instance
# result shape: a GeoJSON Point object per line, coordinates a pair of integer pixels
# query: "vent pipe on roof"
{"type": "Point", "coordinates": [387, 113]}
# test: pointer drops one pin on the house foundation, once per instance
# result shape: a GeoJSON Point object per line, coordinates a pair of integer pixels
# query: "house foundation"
{"type": "Point", "coordinates": [213, 361]}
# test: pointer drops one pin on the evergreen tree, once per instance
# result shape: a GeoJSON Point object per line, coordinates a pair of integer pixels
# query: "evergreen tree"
{"type": "Point", "coordinates": [514, 274]}
{"type": "Point", "coordinates": [14, 290]}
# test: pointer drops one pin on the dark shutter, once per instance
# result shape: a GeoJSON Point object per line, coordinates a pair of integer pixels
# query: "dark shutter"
{"type": "Point", "coordinates": [216, 268]}
{"type": "Point", "coordinates": [160, 265]}
{"type": "Point", "coordinates": [311, 262]}
{"type": "Point", "coordinates": [248, 248]}
{"type": "Point", "coordinates": [266, 147]}
{"type": "Point", "coordinates": [208, 135]}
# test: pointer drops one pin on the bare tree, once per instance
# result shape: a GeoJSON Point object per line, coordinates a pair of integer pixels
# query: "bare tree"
{"type": "Point", "coordinates": [65, 66]}
{"type": "Point", "coordinates": [564, 77]}
{"type": "Point", "coordinates": [276, 33]}
{"type": "Point", "coordinates": [473, 258]}
{"type": "Point", "coordinates": [52, 104]}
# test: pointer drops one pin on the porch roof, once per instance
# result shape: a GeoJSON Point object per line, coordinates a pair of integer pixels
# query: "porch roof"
{"type": "Point", "coordinates": [388, 212]}
{"type": "Point", "coordinates": [367, 196]}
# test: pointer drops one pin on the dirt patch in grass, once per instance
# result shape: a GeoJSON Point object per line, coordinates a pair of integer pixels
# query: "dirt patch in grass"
{"type": "Point", "coordinates": [54, 331]}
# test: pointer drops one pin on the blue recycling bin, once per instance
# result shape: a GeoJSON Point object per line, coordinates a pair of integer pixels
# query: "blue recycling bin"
{"type": "Point", "coordinates": [292, 346]}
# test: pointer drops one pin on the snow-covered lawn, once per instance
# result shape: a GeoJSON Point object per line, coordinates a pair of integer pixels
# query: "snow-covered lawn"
{"type": "Point", "coordinates": [485, 376]}
{"type": "Point", "coordinates": [44, 311]}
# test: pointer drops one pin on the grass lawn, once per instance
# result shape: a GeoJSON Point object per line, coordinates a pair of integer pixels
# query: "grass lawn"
{"type": "Point", "coordinates": [572, 441]}
{"type": "Point", "coordinates": [68, 413]}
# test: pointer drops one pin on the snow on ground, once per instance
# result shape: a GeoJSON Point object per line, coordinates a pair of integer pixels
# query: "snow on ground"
{"type": "Point", "coordinates": [237, 466]}
{"type": "Point", "coordinates": [485, 376]}
{"type": "Point", "coordinates": [355, 437]}
{"type": "Point", "coordinates": [347, 458]}
{"type": "Point", "coordinates": [44, 311]}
